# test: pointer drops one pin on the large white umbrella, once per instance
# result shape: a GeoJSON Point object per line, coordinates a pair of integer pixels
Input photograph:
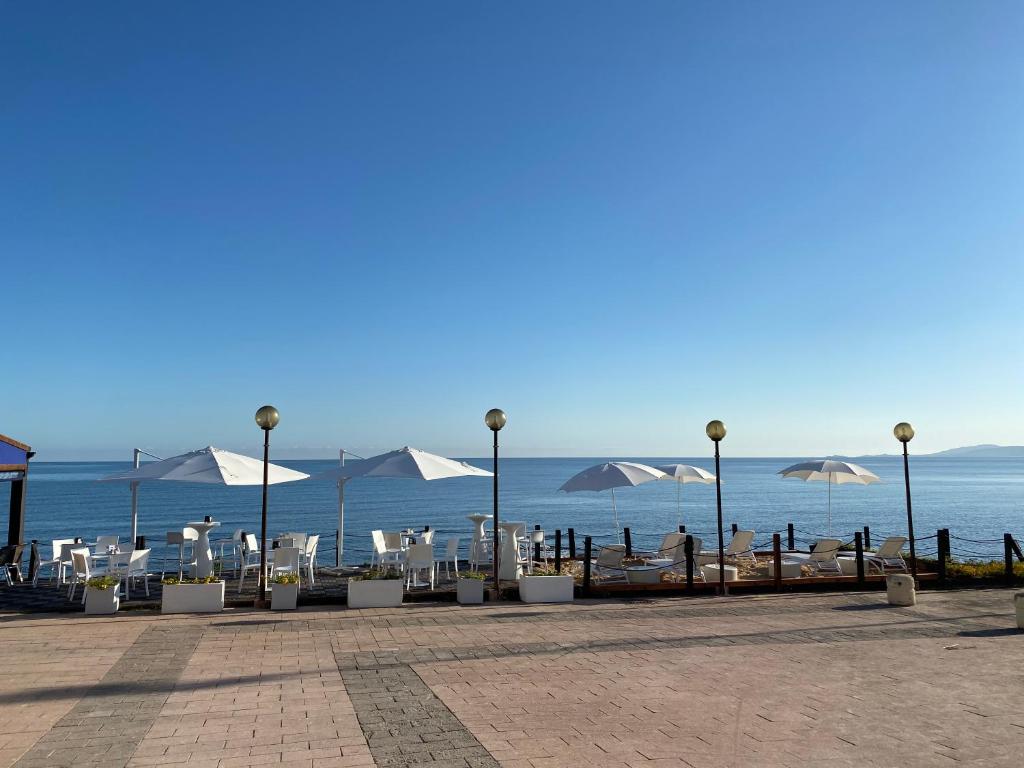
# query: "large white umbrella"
{"type": "Point", "coordinates": [405, 463]}
{"type": "Point", "coordinates": [609, 476]}
{"type": "Point", "coordinates": [207, 465]}
{"type": "Point", "coordinates": [682, 474]}
{"type": "Point", "coordinates": [830, 471]}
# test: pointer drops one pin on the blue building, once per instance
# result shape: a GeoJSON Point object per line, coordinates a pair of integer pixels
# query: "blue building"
{"type": "Point", "coordinates": [14, 457]}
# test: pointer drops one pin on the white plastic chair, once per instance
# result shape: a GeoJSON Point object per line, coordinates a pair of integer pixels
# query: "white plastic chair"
{"type": "Point", "coordinates": [824, 558]}
{"type": "Point", "coordinates": [54, 563]}
{"type": "Point", "coordinates": [607, 566]}
{"type": "Point", "coordinates": [82, 570]}
{"type": "Point", "coordinates": [385, 556]}
{"type": "Point", "coordinates": [250, 558]}
{"type": "Point", "coordinates": [393, 541]}
{"type": "Point", "coordinates": [740, 545]}
{"type": "Point", "coordinates": [309, 557]}
{"type": "Point", "coordinates": [286, 560]}
{"type": "Point", "coordinates": [419, 557]}
{"type": "Point", "coordinates": [427, 537]}
{"type": "Point", "coordinates": [889, 556]}
{"type": "Point", "coordinates": [180, 539]}
{"type": "Point", "coordinates": [451, 557]}
{"type": "Point", "coordinates": [104, 543]}
{"type": "Point", "coordinates": [130, 566]}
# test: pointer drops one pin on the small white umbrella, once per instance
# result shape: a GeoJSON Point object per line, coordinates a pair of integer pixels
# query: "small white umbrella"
{"type": "Point", "coordinates": [682, 474]}
{"type": "Point", "coordinates": [207, 465]}
{"type": "Point", "coordinates": [405, 463]}
{"type": "Point", "coordinates": [830, 471]}
{"type": "Point", "coordinates": [609, 476]}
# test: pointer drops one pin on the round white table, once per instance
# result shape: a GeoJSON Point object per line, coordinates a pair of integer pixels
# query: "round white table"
{"type": "Point", "coordinates": [204, 555]}
{"type": "Point", "coordinates": [509, 568]}
{"type": "Point", "coordinates": [710, 571]}
{"type": "Point", "coordinates": [478, 535]}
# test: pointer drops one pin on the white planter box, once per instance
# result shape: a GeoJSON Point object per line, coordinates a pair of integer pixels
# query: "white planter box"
{"type": "Point", "coordinates": [100, 602]}
{"type": "Point", "coordinates": [546, 589]}
{"type": "Point", "coordinates": [469, 591]}
{"type": "Point", "coordinates": [193, 598]}
{"type": "Point", "coordinates": [284, 597]}
{"type": "Point", "coordinates": [375, 593]}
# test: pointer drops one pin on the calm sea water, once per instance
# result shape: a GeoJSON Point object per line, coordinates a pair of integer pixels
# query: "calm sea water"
{"type": "Point", "coordinates": [976, 498]}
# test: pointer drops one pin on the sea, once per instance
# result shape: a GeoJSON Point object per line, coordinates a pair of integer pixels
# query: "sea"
{"type": "Point", "coordinates": [978, 499]}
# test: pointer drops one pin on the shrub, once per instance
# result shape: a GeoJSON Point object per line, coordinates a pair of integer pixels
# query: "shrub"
{"type": "Point", "coordinates": [173, 580]}
{"type": "Point", "coordinates": [376, 574]}
{"type": "Point", "coordinates": [285, 578]}
{"type": "Point", "coordinates": [102, 582]}
{"type": "Point", "coordinates": [473, 575]}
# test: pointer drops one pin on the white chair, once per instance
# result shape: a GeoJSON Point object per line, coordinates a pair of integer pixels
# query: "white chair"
{"type": "Point", "coordinates": [298, 539]}
{"type": "Point", "coordinates": [537, 537]}
{"type": "Point", "coordinates": [286, 560]}
{"type": "Point", "coordinates": [185, 538]}
{"type": "Point", "coordinates": [451, 557]}
{"type": "Point", "coordinates": [10, 562]}
{"type": "Point", "coordinates": [824, 558]}
{"type": "Point", "coordinates": [129, 567]}
{"type": "Point", "coordinates": [393, 541]}
{"type": "Point", "coordinates": [82, 570]}
{"type": "Point", "coordinates": [739, 547]}
{"type": "Point", "coordinates": [607, 566]}
{"type": "Point", "coordinates": [250, 558]}
{"type": "Point", "coordinates": [55, 564]}
{"type": "Point", "coordinates": [419, 557]}
{"type": "Point", "coordinates": [483, 554]}
{"type": "Point", "coordinates": [385, 556]}
{"type": "Point", "coordinates": [309, 557]}
{"type": "Point", "coordinates": [104, 543]}
{"type": "Point", "coordinates": [427, 537]}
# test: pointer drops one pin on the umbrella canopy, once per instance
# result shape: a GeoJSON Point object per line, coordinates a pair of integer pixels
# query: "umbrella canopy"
{"type": "Point", "coordinates": [682, 474]}
{"type": "Point", "coordinates": [830, 471]}
{"type": "Point", "coordinates": [408, 463]}
{"type": "Point", "coordinates": [209, 465]}
{"type": "Point", "coordinates": [405, 463]}
{"type": "Point", "coordinates": [609, 476]}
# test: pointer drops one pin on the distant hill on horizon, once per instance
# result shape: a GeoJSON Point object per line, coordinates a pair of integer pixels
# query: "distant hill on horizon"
{"type": "Point", "coordinates": [985, 451]}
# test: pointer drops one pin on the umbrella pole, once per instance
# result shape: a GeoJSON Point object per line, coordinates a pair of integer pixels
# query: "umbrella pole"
{"type": "Point", "coordinates": [341, 514]}
{"type": "Point", "coordinates": [829, 503]}
{"type": "Point", "coordinates": [615, 517]}
{"type": "Point", "coordinates": [679, 506]}
{"type": "Point", "coordinates": [135, 496]}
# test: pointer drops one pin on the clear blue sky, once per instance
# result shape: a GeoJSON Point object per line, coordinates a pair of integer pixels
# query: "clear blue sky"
{"type": "Point", "coordinates": [615, 220]}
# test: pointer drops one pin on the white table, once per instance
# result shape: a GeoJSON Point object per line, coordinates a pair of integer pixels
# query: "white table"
{"type": "Point", "coordinates": [479, 534]}
{"type": "Point", "coordinates": [790, 569]}
{"type": "Point", "coordinates": [204, 555]}
{"type": "Point", "coordinates": [732, 573]}
{"type": "Point", "coordinates": [643, 574]}
{"type": "Point", "coordinates": [509, 568]}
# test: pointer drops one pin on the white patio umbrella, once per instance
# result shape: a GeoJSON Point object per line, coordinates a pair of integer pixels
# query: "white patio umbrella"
{"type": "Point", "coordinates": [207, 465]}
{"type": "Point", "coordinates": [405, 463]}
{"type": "Point", "coordinates": [830, 471]}
{"type": "Point", "coordinates": [682, 474]}
{"type": "Point", "coordinates": [609, 476]}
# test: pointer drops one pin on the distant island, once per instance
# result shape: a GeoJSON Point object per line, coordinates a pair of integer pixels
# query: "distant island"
{"type": "Point", "coordinates": [985, 451]}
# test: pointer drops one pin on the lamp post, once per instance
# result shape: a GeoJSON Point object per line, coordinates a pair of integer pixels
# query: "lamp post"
{"type": "Point", "coordinates": [267, 418]}
{"type": "Point", "coordinates": [716, 431]}
{"type": "Point", "coordinates": [905, 433]}
{"type": "Point", "coordinates": [495, 419]}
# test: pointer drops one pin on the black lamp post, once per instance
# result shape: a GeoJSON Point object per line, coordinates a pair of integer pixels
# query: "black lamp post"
{"type": "Point", "coordinates": [905, 433]}
{"type": "Point", "coordinates": [716, 431]}
{"type": "Point", "coordinates": [495, 419]}
{"type": "Point", "coordinates": [267, 418]}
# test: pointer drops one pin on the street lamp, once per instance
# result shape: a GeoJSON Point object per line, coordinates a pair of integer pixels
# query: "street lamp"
{"type": "Point", "coordinates": [266, 418]}
{"type": "Point", "coordinates": [495, 419]}
{"type": "Point", "coordinates": [716, 431]}
{"type": "Point", "coordinates": [905, 433]}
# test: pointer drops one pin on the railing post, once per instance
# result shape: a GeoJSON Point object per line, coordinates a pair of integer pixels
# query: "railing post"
{"type": "Point", "coordinates": [682, 529]}
{"type": "Point", "coordinates": [586, 565]}
{"type": "Point", "coordinates": [558, 550]}
{"type": "Point", "coordinates": [735, 527]}
{"type": "Point", "coordinates": [1008, 556]}
{"type": "Point", "coordinates": [858, 545]}
{"type": "Point", "coordinates": [688, 552]}
{"type": "Point", "coordinates": [536, 547]}
{"type": "Point", "coordinates": [777, 560]}
{"type": "Point", "coordinates": [629, 542]}
{"type": "Point", "coordinates": [867, 537]}
{"type": "Point", "coordinates": [791, 539]}
{"type": "Point", "coordinates": [572, 543]}
{"type": "Point", "coordinates": [942, 539]}
{"type": "Point", "coordinates": [337, 549]}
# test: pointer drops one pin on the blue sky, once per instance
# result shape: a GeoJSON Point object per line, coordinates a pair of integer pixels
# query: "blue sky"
{"type": "Point", "coordinates": [614, 220]}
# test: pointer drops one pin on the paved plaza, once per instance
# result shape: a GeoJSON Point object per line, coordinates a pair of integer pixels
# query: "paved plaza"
{"type": "Point", "coordinates": [778, 680]}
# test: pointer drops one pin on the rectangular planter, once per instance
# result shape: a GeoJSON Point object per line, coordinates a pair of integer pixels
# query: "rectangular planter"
{"type": "Point", "coordinates": [284, 597]}
{"type": "Point", "coordinates": [193, 598]}
{"type": "Point", "coordinates": [469, 591]}
{"type": "Point", "coordinates": [546, 589]}
{"type": "Point", "coordinates": [101, 602]}
{"type": "Point", "coordinates": [375, 593]}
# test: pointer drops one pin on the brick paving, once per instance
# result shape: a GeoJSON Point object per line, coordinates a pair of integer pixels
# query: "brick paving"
{"type": "Point", "coordinates": [787, 680]}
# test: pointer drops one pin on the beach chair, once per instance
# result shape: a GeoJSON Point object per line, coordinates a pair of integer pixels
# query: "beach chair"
{"type": "Point", "coordinates": [739, 547]}
{"type": "Point", "coordinates": [825, 557]}
{"type": "Point", "coordinates": [889, 556]}
{"type": "Point", "coordinates": [607, 566]}
{"type": "Point", "coordinates": [672, 555]}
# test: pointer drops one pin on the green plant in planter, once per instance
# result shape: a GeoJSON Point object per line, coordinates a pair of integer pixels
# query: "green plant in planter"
{"type": "Point", "coordinates": [174, 580]}
{"type": "Point", "coordinates": [376, 574]}
{"type": "Point", "coordinates": [475, 575]}
{"type": "Point", "coordinates": [544, 570]}
{"type": "Point", "coordinates": [285, 578]}
{"type": "Point", "coordinates": [102, 582]}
